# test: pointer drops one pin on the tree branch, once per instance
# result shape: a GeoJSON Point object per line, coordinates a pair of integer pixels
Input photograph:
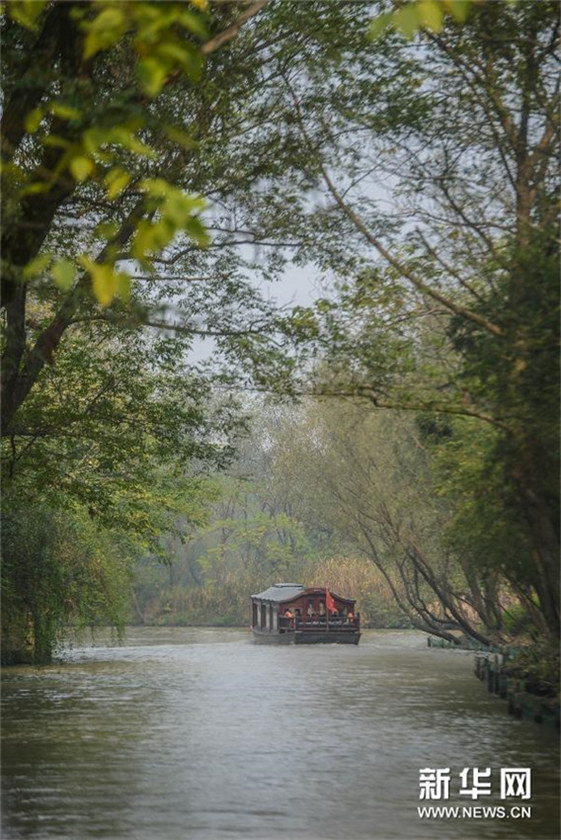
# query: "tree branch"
{"type": "Point", "coordinates": [403, 270]}
{"type": "Point", "coordinates": [231, 31]}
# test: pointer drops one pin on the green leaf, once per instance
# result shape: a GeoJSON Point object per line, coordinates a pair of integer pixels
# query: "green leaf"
{"type": "Point", "coordinates": [380, 24]}
{"type": "Point", "coordinates": [106, 230]}
{"type": "Point", "coordinates": [81, 167]}
{"type": "Point", "coordinates": [197, 232]}
{"type": "Point", "coordinates": [174, 53]}
{"type": "Point", "coordinates": [172, 50]}
{"type": "Point", "coordinates": [151, 20]}
{"type": "Point", "coordinates": [195, 24]}
{"type": "Point", "coordinates": [36, 188]}
{"type": "Point", "coordinates": [180, 137]}
{"type": "Point", "coordinates": [179, 208]}
{"type": "Point", "coordinates": [407, 20]}
{"type": "Point", "coordinates": [36, 266]}
{"type": "Point", "coordinates": [55, 142]}
{"type": "Point", "coordinates": [123, 289]}
{"type": "Point", "coordinates": [152, 75]}
{"type": "Point", "coordinates": [95, 139]}
{"type": "Point", "coordinates": [105, 30]}
{"type": "Point", "coordinates": [33, 120]}
{"type": "Point", "coordinates": [63, 273]}
{"type": "Point", "coordinates": [459, 9]}
{"type": "Point", "coordinates": [193, 63]}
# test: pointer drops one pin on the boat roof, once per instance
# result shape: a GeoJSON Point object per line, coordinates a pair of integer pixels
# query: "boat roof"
{"type": "Point", "coordinates": [280, 592]}
{"type": "Point", "coordinates": [288, 591]}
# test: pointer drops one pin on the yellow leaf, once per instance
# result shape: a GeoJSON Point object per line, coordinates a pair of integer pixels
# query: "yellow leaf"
{"type": "Point", "coordinates": [104, 287]}
{"type": "Point", "coordinates": [459, 9]}
{"type": "Point", "coordinates": [104, 283]}
{"type": "Point", "coordinates": [117, 180]}
{"type": "Point", "coordinates": [81, 167]}
{"type": "Point", "coordinates": [33, 120]}
{"type": "Point", "coordinates": [143, 240]}
{"type": "Point", "coordinates": [26, 12]}
{"type": "Point", "coordinates": [155, 187]}
{"type": "Point", "coordinates": [406, 20]}
{"type": "Point", "coordinates": [430, 15]}
{"type": "Point", "coordinates": [65, 112]}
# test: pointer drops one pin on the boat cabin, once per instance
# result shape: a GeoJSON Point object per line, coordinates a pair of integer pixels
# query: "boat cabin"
{"type": "Point", "coordinates": [289, 613]}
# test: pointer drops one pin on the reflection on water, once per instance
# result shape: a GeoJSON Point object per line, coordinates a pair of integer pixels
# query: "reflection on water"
{"type": "Point", "coordinates": [198, 733]}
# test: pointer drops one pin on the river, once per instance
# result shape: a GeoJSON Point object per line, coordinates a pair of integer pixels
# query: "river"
{"type": "Point", "coordinates": [200, 734]}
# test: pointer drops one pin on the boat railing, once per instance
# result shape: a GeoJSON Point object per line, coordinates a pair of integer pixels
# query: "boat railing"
{"type": "Point", "coordinates": [316, 623]}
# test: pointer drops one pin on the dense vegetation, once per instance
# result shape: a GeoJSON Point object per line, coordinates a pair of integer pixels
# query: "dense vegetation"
{"type": "Point", "coordinates": [225, 148]}
{"type": "Point", "coordinates": [264, 526]}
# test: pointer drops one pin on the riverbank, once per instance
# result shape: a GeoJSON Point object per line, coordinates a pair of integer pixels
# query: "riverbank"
{"type": "Point", "coordinates": [493, 665]}
{"type": "Point", "coordinates": [493, 670]}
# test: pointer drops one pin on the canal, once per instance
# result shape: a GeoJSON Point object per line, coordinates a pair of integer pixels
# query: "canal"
{"type": "Point", "coordinates": [200, 734]}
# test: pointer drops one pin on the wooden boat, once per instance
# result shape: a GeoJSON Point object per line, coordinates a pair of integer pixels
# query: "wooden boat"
{"type": "Point", "coordinates": [287, 613]}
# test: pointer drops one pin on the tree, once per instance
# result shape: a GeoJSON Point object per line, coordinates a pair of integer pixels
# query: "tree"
{"type": "Point", "coordinates": [271, 520]}
{"type": "Point", "coordinates": [370, 477]}
{"type": "Point", "coordinates": [98, 420]}
{"type": "Point", "coordinates": [298, 119]}
{"type": "Point", "coordinates": [58, 570]}
{"type": "Point", "coordinates": [469, 249]}
{"type": "Point", "coordinates": [88, 201]}
{"type": "Point", "coordinates": [62, 163]}
{"type": "Point", "coordinates": [87, 197]}
{"type": "Point", "coordinates": [123, 428]}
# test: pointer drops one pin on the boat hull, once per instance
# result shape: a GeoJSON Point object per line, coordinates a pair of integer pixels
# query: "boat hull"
{"type": "Point", "coordinates": [334, 637]}
{"type": "Point", "coordinates": [299, 637]}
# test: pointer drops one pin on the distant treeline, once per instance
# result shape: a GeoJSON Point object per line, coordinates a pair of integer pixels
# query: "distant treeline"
{"type": "Point", "coordinates": [157, 601]}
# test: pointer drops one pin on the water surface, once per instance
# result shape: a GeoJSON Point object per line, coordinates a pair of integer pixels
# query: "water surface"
{"type": "Point", "coordinates": [198, 733]}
